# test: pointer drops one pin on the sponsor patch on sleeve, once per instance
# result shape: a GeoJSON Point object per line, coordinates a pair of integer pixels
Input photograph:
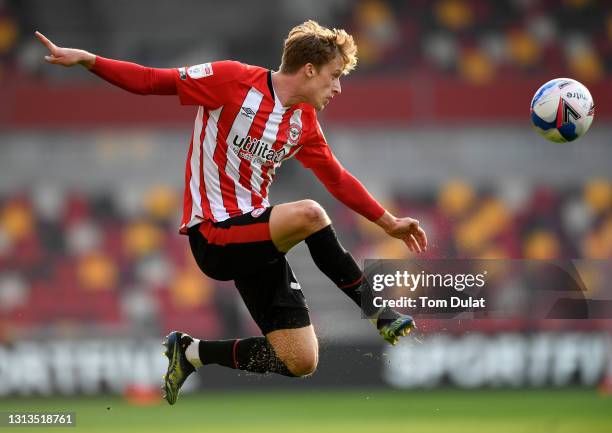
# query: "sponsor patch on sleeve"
{"type": "Point", "coordinates": [200, 71]}
{"type": "Point", "coordinates": [182, 73]}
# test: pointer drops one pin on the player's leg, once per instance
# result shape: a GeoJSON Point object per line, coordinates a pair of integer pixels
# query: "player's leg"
{"type": "Point", "coordinates": [306, 220]}
{"type": "Point", "coordinates": [291, 352]}
{"type": "Point", "coordinates": [289, 347]}
{"type": "Point", "coordinates": [275, 301]}
{"type": "Point", "coordinates": [288, 352]}
{"type": "Point", "coordinates": [290, 223]}
{"type": "Point", "coordinates": [297, 348]}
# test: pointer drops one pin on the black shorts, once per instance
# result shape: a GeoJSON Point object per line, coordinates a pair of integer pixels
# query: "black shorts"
{"type": "Point", "coordinates": [241, 249]}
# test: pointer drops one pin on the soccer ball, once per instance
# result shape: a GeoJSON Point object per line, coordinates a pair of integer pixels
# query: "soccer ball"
{"type": "Point", "coordinates": [562, 110]}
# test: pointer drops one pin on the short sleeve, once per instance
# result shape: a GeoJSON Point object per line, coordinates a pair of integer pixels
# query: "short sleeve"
{"type": "Point", "coordinates": [208, 84]}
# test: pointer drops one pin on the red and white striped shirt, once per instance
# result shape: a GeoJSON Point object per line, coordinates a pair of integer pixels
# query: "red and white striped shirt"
{"type": "Point", "coordinates": [242, 134]}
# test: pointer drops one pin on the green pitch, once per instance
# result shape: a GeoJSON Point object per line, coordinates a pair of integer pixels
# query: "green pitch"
{"type": "Point", "coordinates": [354, 411]}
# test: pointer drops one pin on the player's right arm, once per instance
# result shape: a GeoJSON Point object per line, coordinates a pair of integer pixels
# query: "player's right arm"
{"type": "Point", "coordinates": [129, 76]}
{"type": "Point", "coordinates": [66, 56]}
{"type": "Point", "coordinates": [208, 84]}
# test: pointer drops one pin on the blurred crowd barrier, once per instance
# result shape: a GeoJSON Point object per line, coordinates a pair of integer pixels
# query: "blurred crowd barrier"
{"type": "Point", "coordinates": [133, 368]}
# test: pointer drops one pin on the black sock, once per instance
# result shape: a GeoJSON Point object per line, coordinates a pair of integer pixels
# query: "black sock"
{"type": "Point", "coordinates": [254, 354]}
{"type": "Point", "coordinates": [217, 352]}
{"type": "Point", "coordinates": [340, 267]}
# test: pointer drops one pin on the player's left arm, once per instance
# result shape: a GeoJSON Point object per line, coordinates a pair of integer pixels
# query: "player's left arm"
{"type": "Point", "coordinates": [349, 190]}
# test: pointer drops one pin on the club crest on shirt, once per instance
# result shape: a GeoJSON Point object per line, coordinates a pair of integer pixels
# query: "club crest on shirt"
{"type": "Point", "coordinates": [294, 133]}
{"type": "Point", "coordinates": [200, 71]}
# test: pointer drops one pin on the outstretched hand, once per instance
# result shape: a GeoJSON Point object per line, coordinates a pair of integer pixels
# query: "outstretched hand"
{"type": "Point", "coordinates": [406, 229]}
{"type": "Point", "coordinates": [65, 56]}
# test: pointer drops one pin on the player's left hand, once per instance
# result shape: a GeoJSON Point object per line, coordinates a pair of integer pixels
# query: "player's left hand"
{"type": "Point", "coordinates": [409, 231]}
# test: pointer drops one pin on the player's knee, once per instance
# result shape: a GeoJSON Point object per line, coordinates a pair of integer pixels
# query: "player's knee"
{"type": "Point", "coordinates": [313, 214]}
{"type": "Point", "coordinates": [304, 365]}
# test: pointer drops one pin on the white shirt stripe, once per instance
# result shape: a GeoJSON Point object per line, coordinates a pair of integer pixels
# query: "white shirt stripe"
{"type": "Point", "coordinates": [240, 128]}
{"type": "Point", "coordinates": [269, 136]}
{"type": "Point", "coordinates": [211, 171]}
{"type": "Point", "coordinates": [194, 183]}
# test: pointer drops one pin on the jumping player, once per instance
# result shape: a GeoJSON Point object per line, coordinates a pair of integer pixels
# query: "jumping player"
{"type": "Point", "coordinates": [249, 121]}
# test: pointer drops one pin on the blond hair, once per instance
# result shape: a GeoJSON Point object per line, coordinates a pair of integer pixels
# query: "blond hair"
{"type": "Point", "coordinates": [310, 42]}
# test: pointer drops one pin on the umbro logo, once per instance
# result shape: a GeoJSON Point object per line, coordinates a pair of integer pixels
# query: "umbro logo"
{"type": "Point", "coordinates": [246, 111]}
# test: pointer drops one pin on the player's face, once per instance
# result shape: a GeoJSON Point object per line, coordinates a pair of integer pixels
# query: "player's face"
{"type": "Point", "coordinates": [324, 83]}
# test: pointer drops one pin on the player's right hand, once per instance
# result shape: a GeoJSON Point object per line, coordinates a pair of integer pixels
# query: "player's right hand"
{"type": "Point", "coordinates": [65, 56]}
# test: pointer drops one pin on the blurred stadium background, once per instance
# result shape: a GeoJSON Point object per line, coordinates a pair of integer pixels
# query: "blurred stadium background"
{"type": "Point", "coordinates": [434, 122]}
